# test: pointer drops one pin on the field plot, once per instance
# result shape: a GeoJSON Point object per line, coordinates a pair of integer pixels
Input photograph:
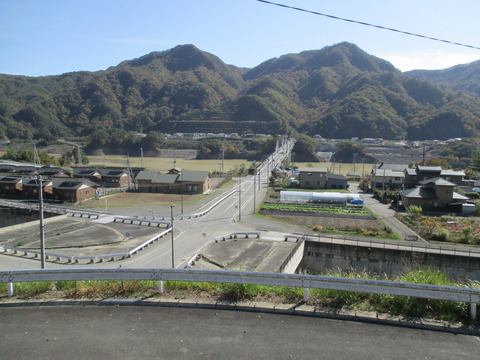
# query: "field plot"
{"type": "Point", "coordinates": [165, 164]}
{"type": "Point", "coordinates": [146, 200]}
{"type": "Point", "coordinates": [328, 218]}
{"type": "Point", "coordinates": [340, 168]}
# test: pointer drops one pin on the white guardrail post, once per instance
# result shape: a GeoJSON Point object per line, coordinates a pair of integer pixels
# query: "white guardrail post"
{"type": "Point", "coordinates": [467, 295]}
{"type": "Point", "coordinates": [9, 289]}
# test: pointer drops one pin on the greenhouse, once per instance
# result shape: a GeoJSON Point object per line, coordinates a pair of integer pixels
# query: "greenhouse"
{"type": "Point", "coordinates": [323, 197]}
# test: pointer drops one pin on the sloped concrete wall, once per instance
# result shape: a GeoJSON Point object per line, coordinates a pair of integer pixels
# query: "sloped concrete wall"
{"type": "Point", "coordinates": [295, 260]}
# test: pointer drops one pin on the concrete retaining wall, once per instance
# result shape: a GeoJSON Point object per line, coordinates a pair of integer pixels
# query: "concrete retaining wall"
{"type": "Point", "coordinates": [34, 222]}
{"type": "Point", "coordinates": [296, 260]}
{"type": "Point", "coordinates": [319, 257]}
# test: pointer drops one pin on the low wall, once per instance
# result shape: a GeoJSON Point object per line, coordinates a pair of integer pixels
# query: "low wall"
{"type": "Point", "coordinates": [292, 265]}
{"type": "Point", "coordinates": [319, 257]}
{"type": "Point", "coordinates": [46, 220]}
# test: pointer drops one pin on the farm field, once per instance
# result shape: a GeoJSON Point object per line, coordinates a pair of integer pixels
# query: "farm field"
{"type": "Point", "coordinates": [329, 218]}
{"type": "Point", "coordinates": [340, 168]}
{"type": "Point", "coordinates": [124, 200]}
{"type": "Point", "coordinates": [164, 164]}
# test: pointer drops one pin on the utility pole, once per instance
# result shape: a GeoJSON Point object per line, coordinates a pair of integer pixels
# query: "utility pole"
{"type": "Point", "coordinates": [171, 226]}
{"type": "Point", "coordinates": [254, 190]}
{"type": "Point", "coordinates": [141, 155]}
{"type": "Point", "coordinates": [223, 159]}
{"type": "Point", "coordinates": [182, 190]}
{"type": "Point", "coordinates": [423, 155]}
{"type": "Point", "coordinates": [42, 226]}
{"type": "Point", "coordinates": [239, 198]}
{"type": "Point", "coordinates": [259, 178]}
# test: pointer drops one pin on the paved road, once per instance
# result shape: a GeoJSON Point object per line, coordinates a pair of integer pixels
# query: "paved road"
{"type": "Point", "coordinates": [190, 236]}
{"type": "Point", "coordinates": [139, 332]}
{"type": "Point", "coordinates": [385, 213]}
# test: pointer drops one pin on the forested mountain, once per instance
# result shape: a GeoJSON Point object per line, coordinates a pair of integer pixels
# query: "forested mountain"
{"type": "Point", "coordinates": [339, 91]}
{"type": "Point", "coordinates": [465, 77]}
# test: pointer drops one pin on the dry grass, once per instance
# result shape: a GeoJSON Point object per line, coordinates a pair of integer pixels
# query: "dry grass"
{"type": "Point", "coordinates": [164, 164]}
{"type": "Point", "coordinates": [340, 168]}
{"type": "Point", "coordinates": [142, 199]}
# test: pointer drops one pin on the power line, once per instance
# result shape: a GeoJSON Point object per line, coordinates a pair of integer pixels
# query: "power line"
{"type": "Point", "coordinates": [368, 24]}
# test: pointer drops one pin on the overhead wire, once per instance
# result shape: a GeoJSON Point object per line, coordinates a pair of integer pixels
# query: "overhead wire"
{"type": "Point", "coordinates": [369, 24]}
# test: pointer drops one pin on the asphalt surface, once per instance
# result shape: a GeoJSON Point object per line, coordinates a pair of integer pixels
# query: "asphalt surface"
{"type": "Point", "coordinates": [150, 332]}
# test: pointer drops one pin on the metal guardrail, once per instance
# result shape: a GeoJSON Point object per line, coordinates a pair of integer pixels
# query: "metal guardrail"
{"type": "Point", "coordinates": [398, 245]}
{"type": "Point", "coordinates": [20, 205]}
{"type": "Point", "coordinates": [467, 295]}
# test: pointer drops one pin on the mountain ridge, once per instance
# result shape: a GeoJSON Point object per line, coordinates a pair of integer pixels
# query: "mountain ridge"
{"type": "Point", "coordinates": [338, 91]}
{"type": "Point", "coordinates": [462, 77]}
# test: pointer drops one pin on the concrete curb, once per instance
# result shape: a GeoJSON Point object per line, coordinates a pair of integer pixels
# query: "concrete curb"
{"type": "Point", "coordinates": [300, 309]}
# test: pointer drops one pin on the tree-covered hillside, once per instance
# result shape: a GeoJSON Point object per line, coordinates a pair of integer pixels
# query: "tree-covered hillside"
{"type": "Point", "coordinates": [339, 91]}
{"type": "Point", "coordinates": [464, 77]}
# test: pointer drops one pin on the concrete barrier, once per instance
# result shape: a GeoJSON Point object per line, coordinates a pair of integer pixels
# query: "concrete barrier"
{"type": "Point", "coordinates": [83, 214]}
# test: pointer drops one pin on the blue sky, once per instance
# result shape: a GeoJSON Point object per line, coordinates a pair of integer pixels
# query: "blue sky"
{"type": "Point", "coordinates": [51, 37]}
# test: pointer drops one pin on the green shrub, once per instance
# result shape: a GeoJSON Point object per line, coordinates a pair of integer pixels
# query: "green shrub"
{"type": "Point", "coordinates": [439, 234]}
{"type": "Point", "coordinates": [414, 210]}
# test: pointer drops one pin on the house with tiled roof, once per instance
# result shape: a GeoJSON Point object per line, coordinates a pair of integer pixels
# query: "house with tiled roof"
{"type": "Point", "coordinates": [388, 176]}
{"type": "Point", "coordinates": [312, 177]}
{"type": "Point", "coordinates": [432, 193]}
{"type": "Point", "coordinates": [413, 176]}
{"type": "Point", "coordinates": [116, 177]}
{"type": "Point", "coordinates": [73, 190]}
{"type": "Point", "coordinates": [336, 181]}
{"type": "Point", "coordinates": [454, 176]}
{"type": "Point", "coordinates": [10, 185]}
{"type": "Point", "coordinates": [88, 173]}
{"type": "Point", "coordinates": [30, 187]}
{"type": "Point", "coordinates": [176, 181]}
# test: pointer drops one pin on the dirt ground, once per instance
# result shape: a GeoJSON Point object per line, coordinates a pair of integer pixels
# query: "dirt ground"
{"type": "Point", "coordinates": [334, 222]}
{"type": "Point", "coordinates": [141, 199]}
